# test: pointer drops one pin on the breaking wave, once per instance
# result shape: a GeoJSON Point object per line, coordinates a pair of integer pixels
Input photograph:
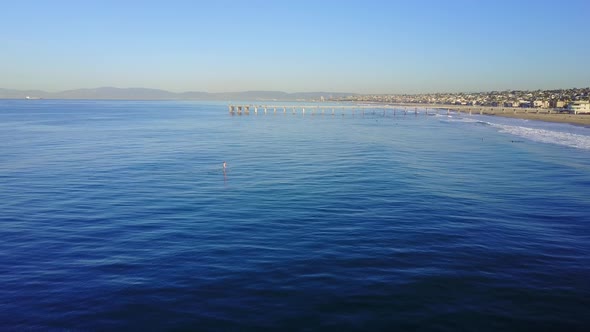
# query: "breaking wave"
{"type": "Point", "coordinates": [547, 136]}
{"type": "Point", "coordinates": [544, 132]}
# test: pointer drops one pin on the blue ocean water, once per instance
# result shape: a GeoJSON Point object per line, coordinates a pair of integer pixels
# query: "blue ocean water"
{"type": "Point", "coordinates": [118, 215]}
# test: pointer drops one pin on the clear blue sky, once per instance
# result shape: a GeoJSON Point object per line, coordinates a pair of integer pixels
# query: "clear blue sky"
{"type": "Point", "coordinates": [348, 46]}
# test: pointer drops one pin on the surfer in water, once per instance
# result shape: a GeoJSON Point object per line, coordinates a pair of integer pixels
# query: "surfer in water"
{"type": "Point", "coordinates": [224, 174]}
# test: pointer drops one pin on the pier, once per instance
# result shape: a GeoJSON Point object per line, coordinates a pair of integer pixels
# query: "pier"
{"type": "Point", "coordinates": [379, 109]}
{"type": "Point", "coordinates": [332, 110]}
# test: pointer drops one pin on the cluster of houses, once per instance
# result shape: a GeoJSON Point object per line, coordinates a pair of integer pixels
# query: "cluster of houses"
{"type": "Point", "coordinates": [575, 100]}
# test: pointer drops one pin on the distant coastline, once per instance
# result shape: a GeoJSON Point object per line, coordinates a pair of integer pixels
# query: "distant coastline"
{"type": "Point", "coordinates": [113, 93]}
{"type": "Point", "coordinates": [554, 114]}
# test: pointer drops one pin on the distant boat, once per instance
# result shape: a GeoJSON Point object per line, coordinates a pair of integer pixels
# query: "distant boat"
{"type": "Point", "coordinates": [32, 98]}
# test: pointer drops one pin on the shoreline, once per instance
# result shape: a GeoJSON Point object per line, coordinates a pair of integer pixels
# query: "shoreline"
{"type": "Point", "coordinates": [547, 115]}
{"type": "Point", "coordinates": [578, 120]}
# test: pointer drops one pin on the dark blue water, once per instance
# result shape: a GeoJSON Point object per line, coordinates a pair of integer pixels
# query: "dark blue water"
{"type": "Point", "coordinates": [117, 215]}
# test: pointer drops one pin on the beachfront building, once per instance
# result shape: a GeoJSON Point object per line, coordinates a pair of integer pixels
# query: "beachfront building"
{"type": "Point", "coordinates": [541, 103]}
{"type": "Point", "coordinates": [560, 104]}
{"type": "Point", "coordinates": [579, 107]}
{"type": "Point", "coordinates": [524, 103]}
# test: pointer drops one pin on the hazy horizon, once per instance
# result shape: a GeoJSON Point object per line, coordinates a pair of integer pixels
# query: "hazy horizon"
{"type": "Point", "coordinates": [369, 47]}
{"type": "Point", "coordinates": [281, 91]}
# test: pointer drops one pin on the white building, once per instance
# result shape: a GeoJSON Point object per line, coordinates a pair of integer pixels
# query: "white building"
{"type": "Point", "coordinates": [579, 107]}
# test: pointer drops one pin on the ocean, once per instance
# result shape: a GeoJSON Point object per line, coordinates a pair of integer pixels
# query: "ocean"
{"type": "Point", "coordinates": [118, 216]}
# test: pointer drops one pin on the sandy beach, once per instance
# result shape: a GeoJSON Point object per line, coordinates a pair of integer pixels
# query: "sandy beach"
{"type": "Point", "coordinates": [576, 119]}
{"type": "Point", "coordinates": [522, 113]}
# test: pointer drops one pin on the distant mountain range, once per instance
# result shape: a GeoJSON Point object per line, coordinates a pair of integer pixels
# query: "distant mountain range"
{"type": "Point", "coordinates": [156, 94]}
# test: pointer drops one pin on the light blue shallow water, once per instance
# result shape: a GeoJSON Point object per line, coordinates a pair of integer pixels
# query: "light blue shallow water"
{"type": "Point", "coordinates": [117, 215]}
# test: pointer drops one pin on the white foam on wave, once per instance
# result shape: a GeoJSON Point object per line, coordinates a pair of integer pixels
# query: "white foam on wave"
{"type": "Point", "coordinates": [544, 132]}
{"type": "Point", "coordinates": [547, 136]}
{"type": "Point", "coordinates": [469, 120]}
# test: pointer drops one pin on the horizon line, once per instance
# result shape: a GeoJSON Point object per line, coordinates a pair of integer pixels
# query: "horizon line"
{"type": "Point", "coordinates": [285, 92]}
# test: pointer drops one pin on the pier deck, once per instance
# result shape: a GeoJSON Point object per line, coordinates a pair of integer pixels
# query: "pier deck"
{"type": "Point", "coordinates": [383, 108]}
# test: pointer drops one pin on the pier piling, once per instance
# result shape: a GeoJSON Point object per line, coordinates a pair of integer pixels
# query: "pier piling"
{"type": "Point", "coordinates": [374, 110]}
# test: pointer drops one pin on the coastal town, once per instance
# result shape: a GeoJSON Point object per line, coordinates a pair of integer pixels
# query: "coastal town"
{"type": "Point", "coordinates": [575, 99]}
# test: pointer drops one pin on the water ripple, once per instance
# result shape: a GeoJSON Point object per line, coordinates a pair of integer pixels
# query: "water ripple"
{"type": "Point", "coordinates": [118, 216]}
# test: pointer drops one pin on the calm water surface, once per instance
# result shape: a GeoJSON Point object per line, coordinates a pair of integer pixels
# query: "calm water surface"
{"type": "Point", "coordinates": [117, 215]}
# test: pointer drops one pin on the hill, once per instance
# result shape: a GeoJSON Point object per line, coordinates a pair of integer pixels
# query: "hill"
{"type": "Point", "coordinates": [157, 94]}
